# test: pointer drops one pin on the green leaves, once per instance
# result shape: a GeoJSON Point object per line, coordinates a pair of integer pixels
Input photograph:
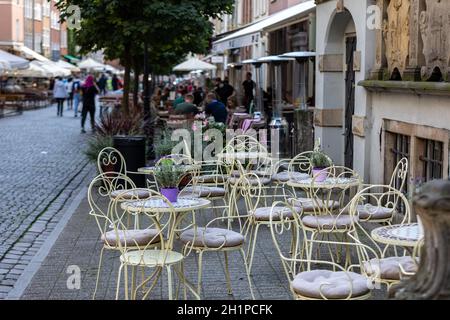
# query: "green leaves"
{"type": "Point", "coordinates": [168, 175]}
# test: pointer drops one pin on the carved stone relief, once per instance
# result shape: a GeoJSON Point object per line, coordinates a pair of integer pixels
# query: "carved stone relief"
{"type": "Point", "coordinates": [435, 32]}
{"type": "Point", "coordinates": [396, 34]}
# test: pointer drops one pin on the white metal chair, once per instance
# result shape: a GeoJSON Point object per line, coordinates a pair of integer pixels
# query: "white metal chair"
{"type": "Point", "coordinates": [102, 191]}
{"type": "Point", "coordinates": [327, 280]}
{"type": "Point", "coordinates": [160, 228]}
{"type": "Point", "coordinates": [219, 235]}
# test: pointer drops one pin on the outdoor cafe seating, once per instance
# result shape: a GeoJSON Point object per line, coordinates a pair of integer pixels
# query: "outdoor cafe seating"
{"type": "Point", "coordinates": [332, 233]}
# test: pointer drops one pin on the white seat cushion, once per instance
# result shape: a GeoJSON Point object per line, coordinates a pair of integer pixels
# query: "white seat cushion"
{"type": "Point", "coordinates": [332, 285]}
{"type": "Point", "coordinates": [309, 205]}
{"type": "Point", "coordinates": [212, 237]}
{"type": "Point", "coordinates": [151, 257]}
{"type": "Point", "coordinates": [285, 176]}
{"type": "Point", "coordinates": [328, 222]}
{"type": "Point", "coordinates": [130, 194]}
{"type": "Point", "coordinates": [203, 192]}
{"type": "Point", "coordinates": [253, 181]}
{"type": "Point", "coordinates": [389, 268]}
{"type": "Point", "coordinates": [263, 214]}
{"type": "Point", "coordinates": [371, 212]}
{"type": "Point", "coordinates": [131, 238]}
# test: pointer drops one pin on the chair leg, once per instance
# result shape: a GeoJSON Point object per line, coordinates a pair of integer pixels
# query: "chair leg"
{"type": "Point", "coordinates": [133, 282]}
{"type": "Point", "coordinates": [248, 273]}
{"type": "Point", "coordinates": [169, 281]}
{"type": "Point", "coordinates": [310, 249]}
{"type": "Point", "coordinates": [227, 274]}
{"type": "Point", "coordinates": [200, 266]}
{"type": "Point", "coordinates": [125, 278]}
{"type": "Point", "coordinates": [252, 254]}
{"type": "Point", "coordinates": [118, 281]}
{"type": "Point", "coordinates": [98, 272]}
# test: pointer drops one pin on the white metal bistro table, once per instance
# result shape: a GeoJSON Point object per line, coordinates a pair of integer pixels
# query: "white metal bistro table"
{"type": "Point", "coordinates": [406, 235]}
{"type": "Point", "coordinates": [329, 183]}
{"type": "Point", "coordinates": [182, 207]}
{"type": "Point", "coordinates": [185, 167]}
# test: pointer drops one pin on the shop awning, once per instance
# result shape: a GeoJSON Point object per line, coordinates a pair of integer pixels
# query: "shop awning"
{"type": "Point", "coordinates": [72, 58]}
{"type": "Point", "coordinates": [251, 34]}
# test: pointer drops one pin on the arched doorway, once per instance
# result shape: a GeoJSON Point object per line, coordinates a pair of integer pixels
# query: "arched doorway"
{"type": "Point", "coordinates": [339, 84]}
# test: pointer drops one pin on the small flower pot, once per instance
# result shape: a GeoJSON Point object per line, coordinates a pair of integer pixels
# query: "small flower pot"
{"type": "Point", "coordinates": [170, 193]}
{"type": "Point", "coordinates": [319, 174]}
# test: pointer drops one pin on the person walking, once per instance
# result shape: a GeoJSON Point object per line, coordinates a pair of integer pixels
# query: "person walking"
{"type": "Point", "coordinates": [102, 84]}
{"type": "Point", "coordinates": [90, 90]}
{"type": "Point", "coordinates": [115, 83]}
{"type": "Point", "coordinates": [76, 92]}
{"type": "Point", "coordinates": [60, 94]}
{"type": "Point", "coordinates": [69, 89]}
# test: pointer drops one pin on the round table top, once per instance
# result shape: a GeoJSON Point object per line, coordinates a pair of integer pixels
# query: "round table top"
{"type": "Point", "coordinates": [406, 235]}
{"type": "Point", "coordinates": [158, 205]}
{"type": "Point", "coordinates": [186, 167]}
{"type": "Point", "coordinates": [326, 184]}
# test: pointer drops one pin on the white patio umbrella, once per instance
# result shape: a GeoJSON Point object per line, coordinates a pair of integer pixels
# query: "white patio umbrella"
{"type": "Point", "coordinates": [33, 71]}
{"type": "Point", "coordinates": [90, 64]}
{"type": "Point", "coordinates": [68, 66]}
{"type": "Point", "coordinates": [9, 61]}
{"type": "Point", "coordinates": [194, 64]}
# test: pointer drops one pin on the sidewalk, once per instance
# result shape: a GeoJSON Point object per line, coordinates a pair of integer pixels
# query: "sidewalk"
{"type": "Point", "coordinates": [79, 245]}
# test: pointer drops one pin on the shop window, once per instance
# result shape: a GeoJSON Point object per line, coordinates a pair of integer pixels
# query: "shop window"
{"type": "Point", "coordinates": [398, 146]}
{"type": "Point", "coordinates": [431, 159]}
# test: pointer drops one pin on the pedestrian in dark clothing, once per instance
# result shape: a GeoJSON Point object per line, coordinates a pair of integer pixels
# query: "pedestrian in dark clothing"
{"type": "Point", "coordinates": [102, 84]}
{"type": "Point", "coordinates": [223, 90]}
{"type": "Point", "coordinates": [249, 85]}
{"type": "Point", "coordinates": [215, 108]}
{"type": "Point", "coordinates": [90, 90]}
{"type": "Point", "coordinates": [199, 96]}
{"type": "Point", "coordinates": [115, 83]}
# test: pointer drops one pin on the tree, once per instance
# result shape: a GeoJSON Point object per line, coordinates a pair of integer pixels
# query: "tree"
{"type": "Point", "coordinates": [169, 29]}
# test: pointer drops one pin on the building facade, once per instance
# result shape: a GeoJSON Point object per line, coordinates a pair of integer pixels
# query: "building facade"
{"type": "Point", "coordinates": [383, 88]}
{"type": "Point", "coordinates": [34, 24]}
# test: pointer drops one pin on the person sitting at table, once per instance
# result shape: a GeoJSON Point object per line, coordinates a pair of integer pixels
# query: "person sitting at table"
{"type": "Point", "coordinates": [187, 107]}
{"type": "Point", "coordinates": [215, 108]}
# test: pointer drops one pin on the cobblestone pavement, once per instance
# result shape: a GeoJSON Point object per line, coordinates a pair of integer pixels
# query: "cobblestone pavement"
{"type": "Point", "coordinates": [41, 164]}
{"type": "Point", "coordinates": [79, 246]}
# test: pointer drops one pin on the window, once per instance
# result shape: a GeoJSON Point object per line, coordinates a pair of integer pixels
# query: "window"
{"type": "Point", "coordinates": [64, 39]}
{"type": "Point", "coordinates": [46, 8]}
{"type": "Point", "coordinates": [431, 159]}
{"type": "Point", "coordinates": [37, 11]}
{"type": "Point", "coordinates": [54, 17]}
{"type": "Point", "coordinates": [28, 9]}
{"type": "Point", "coordinates": [426, 148]}
{"type": "Point", "coordinates": [46, 38]}
{"type": "Point", "coordinates": [17, 30]}
{"type": "Point", "coordinates": [398, 146]}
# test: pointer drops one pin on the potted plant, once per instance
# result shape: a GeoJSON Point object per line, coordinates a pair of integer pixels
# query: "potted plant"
{"type": "Point", "coordinates": [168, 175]}
{"type": "Point", "coordinates": [319, 162]}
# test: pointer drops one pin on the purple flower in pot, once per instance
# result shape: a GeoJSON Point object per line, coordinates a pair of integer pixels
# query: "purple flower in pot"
{"type": "Point", "coordinates": [168, 175]}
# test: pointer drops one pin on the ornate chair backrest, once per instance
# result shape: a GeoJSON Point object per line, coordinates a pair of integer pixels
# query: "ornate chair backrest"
{"type": "Point", "coordinates": [300, 163]}
{"type": "Point", "coordinates": [158, 225]}
{"type": "Point", "coordinates": [111, 160]}
{"type": "Point", "coordinates": [100, 200]}
{"type": "Point", "coordinates": [398, 179]}
{"type": "Point", "coordinates": [381, 197]}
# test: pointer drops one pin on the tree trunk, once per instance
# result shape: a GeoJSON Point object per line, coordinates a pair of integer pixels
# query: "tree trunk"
{"type": "Point", "coordinates": [126, 80]}
{"type": "Point", "coordinates": [137, 72]}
